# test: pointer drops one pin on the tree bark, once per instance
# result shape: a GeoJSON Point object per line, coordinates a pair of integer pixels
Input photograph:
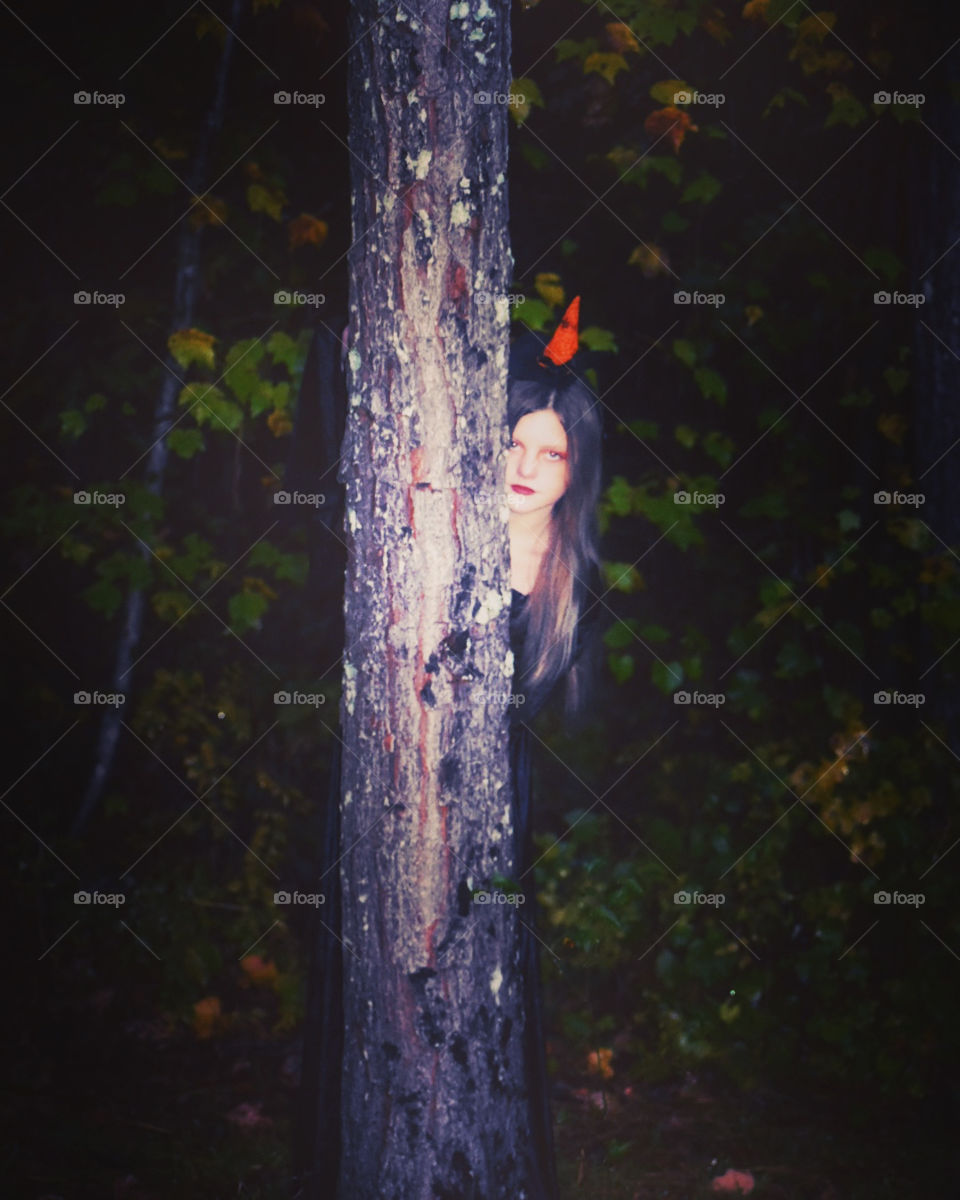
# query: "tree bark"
{"type": "Point", "coordinates": [434, 1094]}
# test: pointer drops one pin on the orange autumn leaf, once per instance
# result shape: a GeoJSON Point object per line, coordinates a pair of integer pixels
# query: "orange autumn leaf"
{"type": "Point", "coordinates": [252, 171]}
{"type": "Point", "coordinates": [716, 28]}
{"type": "Point", "coordinates": [598, 1063]}
{"type": "Point", "coordinates": [207, 210]}
{"type": "Point", "coordinates": [306, 230]}
{"type": "Point", "coordinates": [671, 121]}
{"type": "Point", "coordinates": [621, 37]}
{"type": "Point", "coordinates": [259, 971]}
{"type": "Point", "coordinates": [206, 1016]}
{"type": "Point", "coordinates": [279, 423]}
{"type": "Point", "coordinates": [755, 10]}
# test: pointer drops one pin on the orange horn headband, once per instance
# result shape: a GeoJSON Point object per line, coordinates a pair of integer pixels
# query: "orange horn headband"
{"type": "Point", "coordinates": [563, 345]}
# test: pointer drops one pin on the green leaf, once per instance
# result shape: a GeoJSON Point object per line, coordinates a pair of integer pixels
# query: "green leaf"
{"type": "Point", "coordinates": [95, 402]}
{"type": "Point", "coordinates": [667, 676]}
{"type": "Point", "coordinates": [569, 48]}
{"type": "Point", "coordinates": [664, 91]}
{"type": "Point", "coordinates": [534, 313]}
{"type": "Point", "coordinates": [648, 430]}
{"type": "Point", "coordinates": [654, 633]}
{"type": "Point", "coordinates": [535, 155]}
{"type": "Point", "coordinates": [595, 338]}
{"type": "Point", "coordinates": [609, 65]}
{"type": "Point", "coordinates": [896, 379]}
{"type": "Point", "coordinates": [619, 496]}
{"type": "Point", "coordinates": [685, 351]}
{"type": "Point", "coordinates": [711, 383]}
{"type": "Point", "coordinates": [72, 423]}
{"type": "Point", "coordinates": [620, 634]}
{"type": "Point", "coordinates": [672, 222]}
{"type": "Point", "coordinates": [185, 442]}
{"type": "Point", "coordinates": [847, 519]}
{"type": "Point", "coordinates": [671, 168]}
{"type": "Point", "coordinates": [686, 436]}
{"type": "Point", "coordinates": [846, 110]}
{"type": "Point", "coordinates": [246, 609]}
{"type": "Point", "coordinates": [779, 99]}
{"type": "Point", "coordinates": [703, 188]}
{"type": "Point", "coordinates": [103, 597]}
{"type": "Point", "coordinates": [621, 666]}
{"type": "Point", "coordinates": [719, 447]}
{"type": "Point", "coordinates": [884, 261]}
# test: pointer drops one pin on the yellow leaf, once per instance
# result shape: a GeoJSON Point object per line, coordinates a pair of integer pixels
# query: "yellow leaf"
{"type": "Point", "coordinates": [664, 91]}
{"type": "Point", "coordinates": [549, 288]}
{"type": "Point", "coordinates": [306, 230]}
{"type": "Point", "coordinates": [207, 210]}
{"type": "Point", "coordinates": [191, 345]}
{"type": "Point", "coordinates": [607, 65]}
{"type": "Point", "coordinates": [651, 260]}
{"type": "Point", "coordinates": [268, 200]}
{"type": "Point", "coordinates": [753, 312]}
{"type": "Point", "coordinates": [893, 426]}
{"type": "Point", "coordinates": [163, 148]}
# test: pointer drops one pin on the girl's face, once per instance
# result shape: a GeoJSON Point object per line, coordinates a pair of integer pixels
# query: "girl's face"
{"type": "Point", "coordinates": [537, 469]}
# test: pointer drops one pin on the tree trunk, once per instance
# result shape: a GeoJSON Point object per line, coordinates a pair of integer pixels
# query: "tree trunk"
{"type": "Point", "coordinates": [434, 1094]}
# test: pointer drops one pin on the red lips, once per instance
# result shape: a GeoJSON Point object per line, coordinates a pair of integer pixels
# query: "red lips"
{"type": "Point", "coordinates": [524, 491]}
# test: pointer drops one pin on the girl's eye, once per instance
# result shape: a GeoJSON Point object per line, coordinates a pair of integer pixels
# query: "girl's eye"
{"type": "Point", "coordinates": [557, 455]}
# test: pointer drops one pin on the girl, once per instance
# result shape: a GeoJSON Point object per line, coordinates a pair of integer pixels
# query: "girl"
{"type": "Point", "coordinates": [552, 487]}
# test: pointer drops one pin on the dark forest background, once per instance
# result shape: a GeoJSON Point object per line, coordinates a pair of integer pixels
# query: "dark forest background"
{"type": "Point", "coordinates": [803, 1027]}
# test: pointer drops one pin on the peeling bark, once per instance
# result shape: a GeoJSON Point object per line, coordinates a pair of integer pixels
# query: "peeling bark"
{"type": "Point", "coordinates": [433, 1079]}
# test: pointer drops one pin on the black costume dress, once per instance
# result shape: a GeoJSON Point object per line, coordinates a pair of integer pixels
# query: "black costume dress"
{"type": "Point", "coordinates": [317, 1122]}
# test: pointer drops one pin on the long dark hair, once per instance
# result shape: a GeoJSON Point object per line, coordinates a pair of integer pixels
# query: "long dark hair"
{"type": "Point", "coordinates": [570, 569]}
